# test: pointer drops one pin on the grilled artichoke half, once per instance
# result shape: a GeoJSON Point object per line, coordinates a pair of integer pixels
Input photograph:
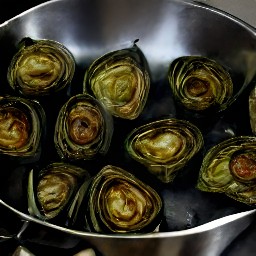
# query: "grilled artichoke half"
{"type": "Point", "coordinates": [40, 67]}
{"type": "Point", "coordinates": [164, 146]}
{"type": "Point", "coordinates": [199, 83]}
{"type": "Point", "coordinates": [22, 122]}
{"type": "Point", "coordinates": [230, 167]}
{"type": "Point", "coordinates": [121, 203]}
{"type": "Point", "coordinates": [51, 191]}
{"type": "Point", "coordinates": [121, 81]}
{"type": "Point", "coordinates": [83, 128]}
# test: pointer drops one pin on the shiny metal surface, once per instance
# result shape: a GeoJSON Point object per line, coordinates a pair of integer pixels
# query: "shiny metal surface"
{"type": "Point", "coordinates": [243, 10]}
{"type": "Point", "coordinates": [209, 239]}
{"type": "Point", "coordinates": [166, 29]}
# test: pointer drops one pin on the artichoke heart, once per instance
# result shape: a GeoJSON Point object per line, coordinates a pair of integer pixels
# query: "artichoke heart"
{"type": "Point", "coordinates": [52, 190]}
{"type": "Point", "coordinates": [83, 128]}
{"type": "Point", "coordinates": [230, 167]}
{"type": "Point", "coordinates": [40, 67]}
{"type": "Point", "coordinates": [120, 80]}
{"type": "Point", "coordinates": [164, 146]}
{"type": "Point", "coordinates": [121, 203]}
{"type": "Point", "coordinates": [21, 124]}
{"type": "Point", "coordinates": [199, 83]}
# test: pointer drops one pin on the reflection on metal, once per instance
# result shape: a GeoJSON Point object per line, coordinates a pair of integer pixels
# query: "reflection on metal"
{"type": "Point", "coordinates": [244, 10]}
{"type": "Point", "coordinates": [23, 228]}
{"type": "Point", "coordinates": [22, 251]}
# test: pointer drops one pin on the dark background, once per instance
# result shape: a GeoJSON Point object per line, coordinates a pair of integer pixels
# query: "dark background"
{"type": "Point", "coordinates": [11, 8]}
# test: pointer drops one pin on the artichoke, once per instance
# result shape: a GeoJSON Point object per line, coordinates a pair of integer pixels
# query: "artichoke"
{"type": "Point", "coordinates": [120, 80]}
{"type": "Point", "coordinates": [230, 167]}
{"type": "Point", "coordinates": [164, 146]}
{"type": "Point", "coordinates": [83, 129]}
{"type": "Point", "coordinates": [22, 122]}
{"type": "Point", "coordinates": [51, 191]}
{"type": "Point", "coordinates": [199, 83]}
{"type": "Point", "coordinates": [121, 203]}
{"type": "Point", "coordinates": [40, 67]}
{"type": "Point", "coordinates": [252, 110]}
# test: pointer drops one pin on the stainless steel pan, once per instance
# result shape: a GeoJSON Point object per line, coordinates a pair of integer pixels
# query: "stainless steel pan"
{"type": "Point", "coordinates": [166, 29]}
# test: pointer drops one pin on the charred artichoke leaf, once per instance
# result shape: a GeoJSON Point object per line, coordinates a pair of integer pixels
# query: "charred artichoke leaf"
{"type": "Point", "coordinates": [230, 167]}
{"type": "Point", "coordinates": [75, 209]}
{"type": "Point", "coordinates": [121, 203]}
{"type": "Point", "coordinates": [247, 196]}
{"type": "Point", "coordinates": [22, 123]}
{"type": "Point", "coordinates": [83, 128]}
{"type": "Point", "coordinates": [52, 189]}
{"type": "Point", "coordinates": [40, 67]}
{"type": "Point", "coordinates": [121, 81]}
{"type": "Point", "coordinates": [32, 205]}
{"type": "Point", "coordinates": [199, 83]}
{"type": "Point", "coordinates": [164, 146]}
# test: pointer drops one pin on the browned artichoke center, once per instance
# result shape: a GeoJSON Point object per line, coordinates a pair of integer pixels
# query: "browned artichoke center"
{"type": "Point", "coordinates": [159, 147]}
{"type": "Point", "coordinates": [198, 87]}
{"type": "Point", "coordinates": [243, 166]}
{"type": "Point", "coordinates": [54, 191]}
{"type": "Point", "coordinates": [39, 69]}
{"type": "Point", "coordinates": [14, 128]}
{"type": "Point", "coordinates": [126, 205]}
{"type": "Point", "coordinates": [84, 124]}
{"type": "Point", "coordinates": [120, 84]}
